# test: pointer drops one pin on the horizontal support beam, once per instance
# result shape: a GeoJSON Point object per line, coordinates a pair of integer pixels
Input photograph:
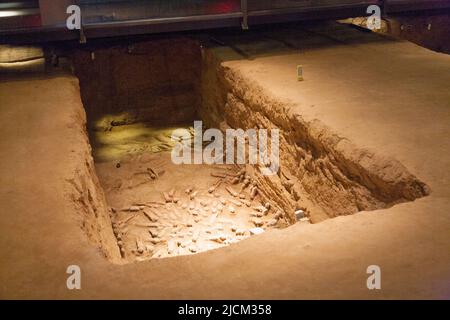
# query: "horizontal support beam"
{"type": "Point", "coordinates": [198, 22]}
{"type": "Point", "coordinates": [401, 6]}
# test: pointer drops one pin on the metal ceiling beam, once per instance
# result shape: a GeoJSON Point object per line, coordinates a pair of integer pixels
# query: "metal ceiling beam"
{"type": "Point", "coordinates": [198, 22]}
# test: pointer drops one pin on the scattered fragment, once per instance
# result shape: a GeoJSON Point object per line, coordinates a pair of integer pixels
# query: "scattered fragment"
{"type": "Point", "coordinates": [193, 249]}
{"type": "Point", "coordinates": [253, 192]}
{"type": "Point", "coordinates": [256, 231]}
{"type": "Point", "coordinates": [150, 216]}
{"type": "Point", "coordinates": [231, 192]}
{"type": "Point", "coordinates": [167, 198]}
{"type": "Point", "coordinates": [257, 222]}
{"type": "Point", "coordinates": [218, 175]}
{"type": "Point", "coordinates": [193, 195]}
{"type": "Point", "coordinates": [299, 214]}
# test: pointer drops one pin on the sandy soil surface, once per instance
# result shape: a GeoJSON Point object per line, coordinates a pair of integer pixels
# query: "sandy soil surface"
{"type": "Point", "coordinates": [389, 96]}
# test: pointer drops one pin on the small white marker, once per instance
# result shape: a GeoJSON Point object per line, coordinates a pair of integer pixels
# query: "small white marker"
{"type": "Point", "coordinates": [300, 72]}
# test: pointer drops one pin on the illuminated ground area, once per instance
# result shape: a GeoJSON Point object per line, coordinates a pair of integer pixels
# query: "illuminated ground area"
{"type": "Point", "coordinates": [160, 209]}
{"type": "Point", "coordinates": [348, 81]}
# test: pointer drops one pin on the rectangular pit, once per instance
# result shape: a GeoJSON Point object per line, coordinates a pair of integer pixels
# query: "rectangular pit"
{"type": "Point", "coordinates": [136, 94]}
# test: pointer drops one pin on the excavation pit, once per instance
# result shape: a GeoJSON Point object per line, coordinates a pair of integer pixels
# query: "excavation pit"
{"type": "Point", "coordinates": [161, 209]}
{"type": "Point", "coordinates": [136, 95]}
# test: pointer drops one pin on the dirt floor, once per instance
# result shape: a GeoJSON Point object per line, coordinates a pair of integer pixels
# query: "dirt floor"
{"type": "Point", "coordinates": [160, 209]}
{"type": "Point", "coordinates": [389, 98]}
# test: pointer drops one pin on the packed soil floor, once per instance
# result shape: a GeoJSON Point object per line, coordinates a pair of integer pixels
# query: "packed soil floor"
{"type": "Point", "coordinates": [387, 101]}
